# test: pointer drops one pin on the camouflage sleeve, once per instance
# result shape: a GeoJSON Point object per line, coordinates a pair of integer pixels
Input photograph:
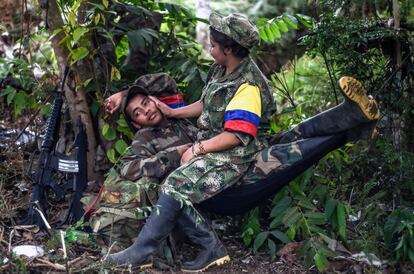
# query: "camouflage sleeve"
{"type": "Point", "coordinates": [141, 162]}
{"type": "Point", "coordinates": [190, 129]}
{"type": "Point", "coordinates": [244, 138]}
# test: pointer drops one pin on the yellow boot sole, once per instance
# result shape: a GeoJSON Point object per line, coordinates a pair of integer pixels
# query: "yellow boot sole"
{"type": "Point", "coordinates": [354, 91]}
{"type": "Point", "coordinates": [217, 262]}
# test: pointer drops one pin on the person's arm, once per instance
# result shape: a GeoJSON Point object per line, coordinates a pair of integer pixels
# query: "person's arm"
{"type": "Point", "coordinates": [190, 111]}
{"type": "Point", "coordinates": [241, 119]}
{"type": "Point", "coordinates": [113, 102]}
{"type": "Point", "coordinates": [139, 161]}
{"type": "Point", "coordinates": [221, 142]}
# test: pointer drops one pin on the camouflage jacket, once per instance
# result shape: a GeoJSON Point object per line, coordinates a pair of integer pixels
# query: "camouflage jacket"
{"type": "Point", "coordinates": [217, 95]}
{"type": "Point", "coordinates": [150, 158]}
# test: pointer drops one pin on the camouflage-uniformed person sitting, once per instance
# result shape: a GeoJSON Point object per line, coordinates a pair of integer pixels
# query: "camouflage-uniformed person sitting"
{"type": "Point", "coordinates": [155, 151]}
{"type": "Point", "coordinates": [233, 117]}
{"type": "Point", "coordinates": [234, 114]}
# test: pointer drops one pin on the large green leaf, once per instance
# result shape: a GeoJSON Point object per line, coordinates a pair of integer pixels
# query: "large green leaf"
{"type": "Point", "coordinates": [340, 211]}
{"type": "Point", "coordinates": [260, 239]}
{"type": "Point", "coordinates": [121, 146]}
{"type": "Point", "coordinates": [78, 33]}
{"type": "Point", "coordinates": [280, 236]}
{"type": "Point", "coordinates": [78, 54]}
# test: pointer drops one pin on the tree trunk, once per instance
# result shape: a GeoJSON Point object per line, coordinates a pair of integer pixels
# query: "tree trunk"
{"type": "Point", "coordinates": [396, 131]}
{"type": "Point", "coordinates": [74, 91]}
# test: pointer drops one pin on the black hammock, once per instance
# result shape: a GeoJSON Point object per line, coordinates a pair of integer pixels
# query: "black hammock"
{"type": "Point", "coordinates": [239, 199]}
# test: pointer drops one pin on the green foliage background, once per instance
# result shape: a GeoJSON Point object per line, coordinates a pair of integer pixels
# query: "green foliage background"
{"type": "Point", "coordinates": [358, 197]}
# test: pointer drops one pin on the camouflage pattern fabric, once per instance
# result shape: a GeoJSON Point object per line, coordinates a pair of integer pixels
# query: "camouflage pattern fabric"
{"type": "Point", "coordinates": [159, 84]}
{"type": "Point", "coordinates": [236, 26]}
{"type": "Point", "coordinates": [285, 148]}
{"type": "Point", "coordinates": [207, 175]}
{"type": "Point", "coordinates": [133, 182]}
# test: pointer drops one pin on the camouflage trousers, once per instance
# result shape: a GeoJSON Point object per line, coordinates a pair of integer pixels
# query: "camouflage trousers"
{"type": "Point", "coordinates": [202, 178]}
{"type": "Point", "coordinates": [293, 145]}
{"type": "Point", "coordinates": [119, 219]}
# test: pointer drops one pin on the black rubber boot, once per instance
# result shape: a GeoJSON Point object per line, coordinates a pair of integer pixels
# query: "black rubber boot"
{"type": "Point", "coordinates": [213, 251]}
{"type": "Point", "coordinates": [158, 226]}
{"type": "Point", "coordinates": [358, 111]}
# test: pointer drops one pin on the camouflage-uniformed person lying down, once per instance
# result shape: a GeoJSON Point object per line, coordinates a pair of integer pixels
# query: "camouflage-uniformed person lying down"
{"type": "Point", "coordinates": [155, 151]}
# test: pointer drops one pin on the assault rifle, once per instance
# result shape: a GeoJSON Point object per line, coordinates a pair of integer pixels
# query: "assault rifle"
{"type": "Point", "coordinates": [58, 172]}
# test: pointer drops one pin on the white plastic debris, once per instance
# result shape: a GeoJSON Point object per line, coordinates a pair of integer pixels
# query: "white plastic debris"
{"type": "Point", "coordinates": [28, 250]}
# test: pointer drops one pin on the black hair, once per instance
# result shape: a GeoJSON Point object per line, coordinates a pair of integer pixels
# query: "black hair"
{"type": "Point", "coordinates": [226, 42]}
{"type": "Point", "coordinates": [133, 91]}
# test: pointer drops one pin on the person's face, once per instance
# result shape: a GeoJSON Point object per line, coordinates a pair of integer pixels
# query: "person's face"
{"type": "Point", "coordinates": [143, 112]}
{"type": "Point", "coordinates": [217, 52]}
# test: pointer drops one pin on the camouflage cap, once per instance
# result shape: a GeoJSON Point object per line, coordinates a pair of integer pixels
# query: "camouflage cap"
{"type": "Point", "coordinates": [236, 26]}
{"type": "Point", "coordinates": [157, 84]}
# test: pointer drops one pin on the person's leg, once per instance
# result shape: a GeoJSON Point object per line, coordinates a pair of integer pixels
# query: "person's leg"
{"type": "Point", "coordinates": [358, 112]}
{"type": "Point", "coordinates": [198, 231]}
{"type": "Point", "coordinates": [158, 226]}
{"type": "Point", "coordinates": [280, 156]}
{"type": "Point", "coordinates": [197, 181]}
{"type": "Point", "coordinates": [194, 182]}
{"type": "Point", "coordinates": [270, 174]}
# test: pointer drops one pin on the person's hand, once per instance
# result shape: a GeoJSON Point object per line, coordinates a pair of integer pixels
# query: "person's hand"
{"type": "Point", "coordinates": [164, 108]}
{"type": "Point", "coordinates": [183, 148]}
{"type": "Point", "coordinates": [187, 156]}
{"type": "Point", "coordinates": [113, 102]}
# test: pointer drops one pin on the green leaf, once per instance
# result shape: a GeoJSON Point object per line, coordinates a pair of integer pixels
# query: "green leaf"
{"type": "Point", "coordinates": [121, 121]}
{"type": "Point", "coordinates": [272, 248]}
{"type": "Point", "coordinates": [330, 207]}
{"type": "Point", "coordinates": [281, 236]}
{"type": "Point", "coordinates": [78, 33]}
{"type": "Point", "coordinates": [281, 206]}
{"type": "Point", "coordinates": [307, 21]}
{"type": "Point", "coordinates": [121, 146]}
{"type": "Point", "coordinates": [305, 203]}
{"type": "Point", "coordinates": [260, 239]}
{"type": "Point", "coordinates": [290, 21]}
{"type": "Point", "coordinates": [190, 76]}
{"type": "Point", "coordinates": [275, 30]}
{"type": "Point", "coordinates": [316, 218]}
{"type": "Point", "coordinates": [281, 25]}
{"type": "Point", "coordinates": [411, 255]}
{"type": "Point", "coordinates": [270, 35]}
{"type": "Point", "coordinates": [291, 232]}
{"type": "Point", "coordinates": [105, 129]}
{"type": "Point", "coordinates": [10, 92]}
{"type": "Point", "coordinates": [78, 54]}
{"type": "Point", "coordinates": [108, 133]}
{"type": "Point", "coordinates": [291, 217]}
{"type": "Point", "coordinates": [136, 39]}
{"type": "Point", "coordinates": [111, 155]}
{"type": "Point", "coordinates": [54, 33]}
{"type": "Point", "coordinates": [321, 262]}
{"type": "Point", "coordinates": [20, 102]}
{"type": "Point", "coordinates": [263, 35]}
{"type": "Point", "coordinates": [340, 211]}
